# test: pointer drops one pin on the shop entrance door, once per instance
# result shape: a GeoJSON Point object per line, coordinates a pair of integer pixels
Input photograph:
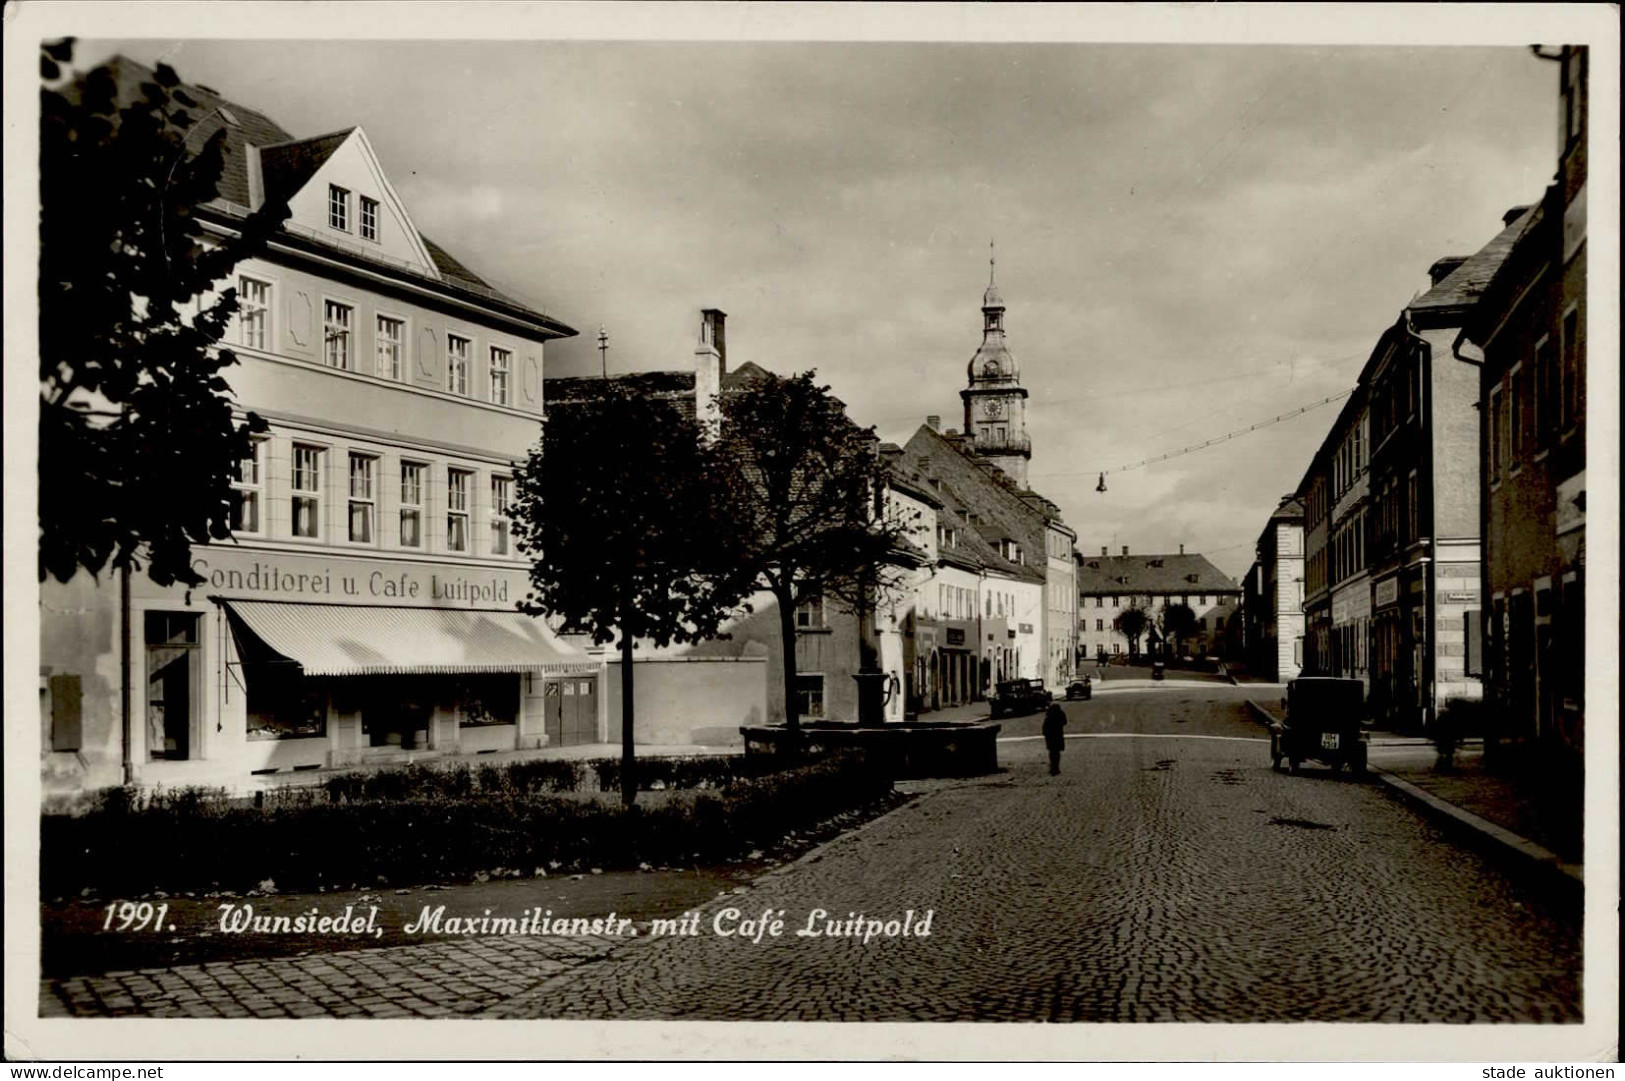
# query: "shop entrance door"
{"type": "Point", "coordinates": [572, 711]}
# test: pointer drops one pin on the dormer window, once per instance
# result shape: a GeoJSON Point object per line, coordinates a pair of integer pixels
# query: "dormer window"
{"type": "Point", "coordinates": [338, 208]}
{"type": "Point", "coordinates": [369, 219]}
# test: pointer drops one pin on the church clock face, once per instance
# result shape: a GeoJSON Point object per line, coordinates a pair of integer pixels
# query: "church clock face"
{"type": "Point", "coordinates": [994, 407]}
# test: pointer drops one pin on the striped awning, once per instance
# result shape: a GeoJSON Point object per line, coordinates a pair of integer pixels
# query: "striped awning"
{"type": "Point", "coordinates": [346, 640]}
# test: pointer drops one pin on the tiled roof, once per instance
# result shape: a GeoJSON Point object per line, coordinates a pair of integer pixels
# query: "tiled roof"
{"type": "Point", "coordinates": [1154, 573]}
{"type": "Point", "coordinates": [251, 127]}
{"type": "Point", "coordinates": [1464, 285]}
{"type": "Point", "coordinates": [287, 167]}
{"type": "Point", "coordinates": [562, 392]}
{"type": "Point", "coordinates": [285, 164]}
{"type": "Point", "coordinates": [982, 489]}
{"type": "Point", "coordinates": [747, 374]}
{"type": "Point", "coordinates": [580, 387]}
{"type": "Point", "coordinates": [1289, 509]}
{"type": "Point", "coordinates": [1529, 253]}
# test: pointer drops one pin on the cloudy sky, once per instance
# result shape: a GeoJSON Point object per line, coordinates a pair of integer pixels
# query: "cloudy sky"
{"type": "Point", "coordinates": [1189, 238]}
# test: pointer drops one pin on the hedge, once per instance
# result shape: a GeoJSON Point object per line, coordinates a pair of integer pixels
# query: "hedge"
{"type": "Point", "coordinates": [447, 827]}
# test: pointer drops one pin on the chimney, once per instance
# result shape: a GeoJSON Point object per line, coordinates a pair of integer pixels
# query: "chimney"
{"type": "Point", "coordinates": [1102, 549]}
{"type": "Point", "coordinates": [1181, 549]}
{"type": "Point", "coordinates": [934, 422]}
{"type": "Point", "coordinates": [1513, 215]}
{"type": "Point", "coordinates": [710, 362]}
{"type": "Point", "coordinates": [712, 332]}
{"type": "Point", "coordinates": [1443, 268]}
{"type": "Point", "coordinates": [1125, 549]}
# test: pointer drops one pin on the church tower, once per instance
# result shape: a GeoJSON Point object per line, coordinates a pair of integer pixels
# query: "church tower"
{"type": "Point", "coordinates": [995, 400]}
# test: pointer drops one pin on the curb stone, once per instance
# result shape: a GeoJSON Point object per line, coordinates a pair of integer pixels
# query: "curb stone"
{"type": "Point", "coordinates": [1463, 822]}
{"type": "Point", "coordinates": [1536, 857]}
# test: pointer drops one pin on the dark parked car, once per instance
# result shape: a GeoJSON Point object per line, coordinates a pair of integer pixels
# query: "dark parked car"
{"type": "Point", "coordinates": [1324, 719]}
{"type": "Point", "coordinates": [1017, 696]}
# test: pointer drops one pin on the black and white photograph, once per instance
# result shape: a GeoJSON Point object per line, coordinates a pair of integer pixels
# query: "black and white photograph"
{"type": "Point", "coordinates": [956, 516]}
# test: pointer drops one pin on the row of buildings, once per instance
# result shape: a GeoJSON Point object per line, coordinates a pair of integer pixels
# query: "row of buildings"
{"type": "Point", "coordinates": [1435, 545]}
{"type": "Point", "coordinates": [364, 611]}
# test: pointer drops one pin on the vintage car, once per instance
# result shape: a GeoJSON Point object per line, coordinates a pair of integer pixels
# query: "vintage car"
{"type": "Point", "coordinates": [1323, 723]}
{"type": "Point", "coordinates": [1080, 688]}
{"type": "Point", "coordinates": [1017, 696]}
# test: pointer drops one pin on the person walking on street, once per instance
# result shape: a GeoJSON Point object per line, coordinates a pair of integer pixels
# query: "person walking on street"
{"type": "Point", "coordinates": [1054, 739]}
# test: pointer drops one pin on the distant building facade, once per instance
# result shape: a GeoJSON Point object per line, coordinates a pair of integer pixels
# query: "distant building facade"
{"type": "Point", "coordinates": [1335, 494]}
{"type": "Point", "coordinates": [1108, 585]}
{"type": "Point", "coordinates": [981, 616]}
{"type": "Point", "coordinates": [1527, 337]}
{"type": "Point", "coordinates": [1423, 534]}
{"type": "Point", "coordinates": [1274, 596]}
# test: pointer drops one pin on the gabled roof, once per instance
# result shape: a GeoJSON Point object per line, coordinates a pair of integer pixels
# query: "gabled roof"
{"type": "Point", "coordinates": [287, 167]}
{"type": "Point", "coordinates": [984, 488]}
{"type": "Point", "coordinates": [285, 164]}
{"type": "Point", "coordinates": [1154, 573]}
{"type": "Point", "coordinates": [1530, 252]}
{"type": "Point", "coordinates": [250, 127]}
{"type": "Point", "coordinates": [747, 374]}
{"type": "Point", "coordinates": [970, 548]}
{"type": "Point", "coordinates": [1462, 287]}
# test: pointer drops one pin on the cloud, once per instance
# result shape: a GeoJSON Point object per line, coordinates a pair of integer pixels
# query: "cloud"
{"type": "Point", "coordinates": [1190, 239]}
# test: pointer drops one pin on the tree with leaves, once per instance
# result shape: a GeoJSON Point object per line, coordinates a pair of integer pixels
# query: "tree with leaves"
{"type": "Point", "coordinates": [1131, 623]}
{"type": "Point", "coordinates": [808, 488]}
{"type": "Point", "coordinates": [621, 509]}
{"type": "Point", "coordinates": [1177, 623]}
{"type": "Point", "coordinates": [138, 442]}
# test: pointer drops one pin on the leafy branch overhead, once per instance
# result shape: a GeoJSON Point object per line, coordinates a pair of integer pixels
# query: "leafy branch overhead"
{"type": "Point", "coordinates": [807, 502]}
{"type": "Point", "coordinates": [134, 403]}
{"type": "Point", "coordinates": [622, 511]}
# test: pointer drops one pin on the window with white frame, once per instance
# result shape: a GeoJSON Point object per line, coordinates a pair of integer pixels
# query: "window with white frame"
{"type": "Point", "coordinates": [501, 364]}
{"type": "Point", "coordinates": [413, 475]}
{"type": "Point", "coordinates": [457, 350]}
{"type": "Point", "coordinates": [254, 312]}
{"type": "Point", "coordinates": [369, 218]}
{"type": "Point", "coordinates": [338, 322]}
{"type": "Point", "coordinates": [248, 486]}
{"type": "Point", "coordinates": [391, 345]}
{"type": "Point", "coordinates": [363, 499]}
{"type": "Point", "coordinates": [457, 486]}
{"type": "Point", "coordinates": [338, 207]}
{"type": "Point", "coordinates": [307, 491]}
{"type": "Point", "coordinates": [501, 497]}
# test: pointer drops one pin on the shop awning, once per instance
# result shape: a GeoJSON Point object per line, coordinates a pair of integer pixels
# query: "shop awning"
{"type": "Point", "coordinates": [345, 640]}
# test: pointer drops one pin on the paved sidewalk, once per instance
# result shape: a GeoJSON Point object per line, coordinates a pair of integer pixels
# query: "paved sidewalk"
{"type": "Point", "coordinates": [437, 979]}
{"type": "Point", "coordinates": [1503, 811]}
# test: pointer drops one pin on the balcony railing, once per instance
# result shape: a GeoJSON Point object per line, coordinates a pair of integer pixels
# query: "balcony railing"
{"type": "Point", "coordinates": [1009, 444]}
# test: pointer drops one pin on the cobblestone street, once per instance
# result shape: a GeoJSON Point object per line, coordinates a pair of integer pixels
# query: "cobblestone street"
{"type": "Point", "coordinates": [1167, 875]}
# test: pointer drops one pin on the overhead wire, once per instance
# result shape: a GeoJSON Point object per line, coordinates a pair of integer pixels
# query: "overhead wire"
{"type": "Point", "coordinates": [1191, 449]}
